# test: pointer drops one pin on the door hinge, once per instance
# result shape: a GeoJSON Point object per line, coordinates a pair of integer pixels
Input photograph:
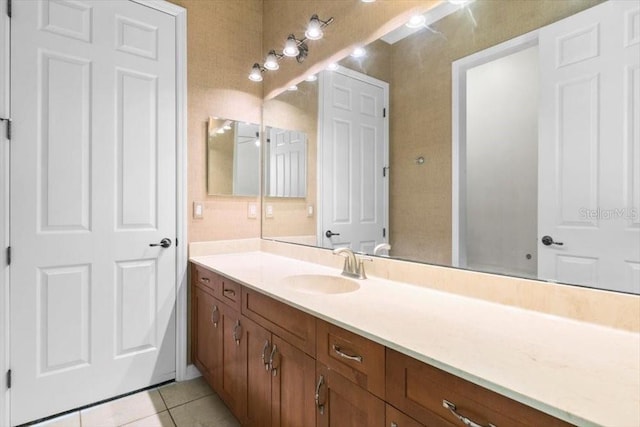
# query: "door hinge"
{"type": "Point", "coordinates": [384, 171]}
{"type": "Point", "coordinates": [8, 255]}
{"type": "Point", "coordinates": [384, 232]}
{"type": "Point", "coordinates": [384, 112]}
{"type": "Point", "coordinates": [9, 8]}
{"type": "Point", "coordinates": [176, 242]}
{"type": "Point", "coordinates": [8, 126]}
{"type": "Point", "coordinates": [9, 378]}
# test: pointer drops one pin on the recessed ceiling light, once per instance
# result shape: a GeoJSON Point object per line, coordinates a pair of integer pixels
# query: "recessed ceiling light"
{"type": "Point", "coordinates": [416, 21]}
{"type": "Point", "coordinates": [359, 52]}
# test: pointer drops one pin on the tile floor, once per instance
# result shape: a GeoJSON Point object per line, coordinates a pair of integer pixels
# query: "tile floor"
{"type": "Point", "coordinates": [185, 404]}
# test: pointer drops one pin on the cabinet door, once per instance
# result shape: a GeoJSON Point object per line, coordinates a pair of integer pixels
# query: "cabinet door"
{"type": "Point", "coordinates": [396, 418]}
{"type": "Point", "coordinates": [293, 375]}
{"type": "Point", "coordinates": [258, 342]}
{"type": "Point", "coordinates": [233, 379]}
{"type": "Point", "coordinates": [341, 403]}
{"type": "Point", "coordinates": [206, 335]}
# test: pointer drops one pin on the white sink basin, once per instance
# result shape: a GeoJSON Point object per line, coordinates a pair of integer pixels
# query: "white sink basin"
{"type": "Point", "coordinates": [320, 284]}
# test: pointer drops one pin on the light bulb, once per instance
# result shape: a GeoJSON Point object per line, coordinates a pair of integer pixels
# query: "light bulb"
{"type": "Point", "coordinates": [311, 78]}
{"type": "Point", "coordinates": [271, 63]}
{"type": "Point", "coordinates": [256, 73]}
{"type": "Point", "coordinates": [416, 21]}
{"type": "Point", "coordinates": [291, 47]}
{"type": "Point", "coordinates": [314, 29]}
{"type": "Point", "coordinates": [459, 2]}
{"type": "Point", "coordinates": [368, 1]}
{"type": "Point", "coordinates": [292, 88]}
{"type": "Point", "coordinates": [332, 67]}
{"type": "Point", "coordinates": [358, 52]}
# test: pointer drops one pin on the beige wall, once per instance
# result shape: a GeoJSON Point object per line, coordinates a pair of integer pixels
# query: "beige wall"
{"type": "Point", "coordinates": [420, 115]}
{"type": "Point", "coordinates": [224, 39]}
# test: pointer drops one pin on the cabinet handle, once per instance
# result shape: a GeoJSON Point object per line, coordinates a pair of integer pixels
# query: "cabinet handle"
{"type": "Point", "coordinates": [341, 353]}
{"type": "Point", "coordinates": [237, 337]}
{"type": "Point", "coordinates": [205, 279]}
{"type": "Point", "coordinates": [229, 292]}
{"type": "Point", "coordinates": [319, 405]}
{"type": "Point", "coordinates": [216, 313]}
{"type": "Point", "coordinates": [265, 362]}
{"type": "Point", "coordinates": [393, 424]}
{"type": "Point", "coordinates": [466, 421]}
{"type": "Point", "coordinates": [274, 370]}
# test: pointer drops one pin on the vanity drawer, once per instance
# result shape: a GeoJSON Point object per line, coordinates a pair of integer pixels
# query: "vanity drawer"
{"type": "Point", "coordinates": [356, 358]}
{"type": "Point", "coordinates": [206, 279]}
{"type": "Point", "coordinates": [419, 390]}
{"type": "Point", "coordinates": [230, 293]}
{"type": "Point", "coordinates": [292, 325]}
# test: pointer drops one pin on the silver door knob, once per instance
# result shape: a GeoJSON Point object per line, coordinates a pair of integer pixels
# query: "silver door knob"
{"type": "Point", "coordinates": [165, 243]}
{"type": "Point", "coordinates": [548, 241]}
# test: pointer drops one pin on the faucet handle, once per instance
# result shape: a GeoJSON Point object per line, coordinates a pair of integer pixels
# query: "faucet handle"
{"type": "Point", "coordinates": [360, 267]}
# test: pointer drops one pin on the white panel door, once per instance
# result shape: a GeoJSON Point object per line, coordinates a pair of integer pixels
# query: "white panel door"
{"type": "Point", "coordinates": [92, 186]}
{"type": "Point", "coordinates": [287, 163]}
{"type": "Point", "coordinates": [589, 150]}
{"type": "Point", "coordinates": [353, 175]}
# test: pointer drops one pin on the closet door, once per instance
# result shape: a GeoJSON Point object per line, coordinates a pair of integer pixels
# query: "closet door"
{"type": "Point", "coordinates": [589, 151]}
{"type": "Point", "coordinates": [92, 186]}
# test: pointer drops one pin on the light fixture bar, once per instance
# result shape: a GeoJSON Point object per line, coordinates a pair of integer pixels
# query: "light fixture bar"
{"type": "Point", "coordinates": [293, 48]}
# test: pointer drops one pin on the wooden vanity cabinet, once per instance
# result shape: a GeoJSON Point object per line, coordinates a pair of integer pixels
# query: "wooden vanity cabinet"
{"type": "Point", "coordinates": [356, 358]}
{"type": "Point", "coordinates": [396, 418]}
{"type": "Point", "coordinates": [420, 390]}
{"type": "Point", "coordinates": [340, 402]}
{"type": "Point", "coordinates": [231, 382]}
{"type": "Point", "coordinates": [280, 375]}
{"type": "Point", "coordinates": [206, 334]}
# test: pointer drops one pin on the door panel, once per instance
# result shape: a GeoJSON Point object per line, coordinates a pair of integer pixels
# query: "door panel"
{"type": "Point", "coordinates": [588, 184]}
{"type": "Point", "coordinates": [92, 185]}
{"type": "Point", "coordinates": [354, 153]}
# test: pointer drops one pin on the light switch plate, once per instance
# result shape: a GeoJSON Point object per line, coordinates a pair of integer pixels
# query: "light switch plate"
{"type": "Point", "coordinates": [268, 212]}
{"type": "Point", "coordinates": [198, 210]}
{"type": "Point", "coordinates": [252, 210]}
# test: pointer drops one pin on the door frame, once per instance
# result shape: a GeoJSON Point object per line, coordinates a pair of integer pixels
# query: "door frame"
{"type": "Point", "coordinates": [459, 70]}
{"type": "Point", "coordinates": [183, 371]}
{"type": "Point", "coordinates": [322, 86]}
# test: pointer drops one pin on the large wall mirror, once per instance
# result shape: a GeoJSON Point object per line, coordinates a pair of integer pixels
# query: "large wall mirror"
{"type": "Point", "coordinates": [497, 136]}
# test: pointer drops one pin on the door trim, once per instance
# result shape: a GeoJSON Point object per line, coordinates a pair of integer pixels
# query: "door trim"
{"type": "Point", "coordinates": [459, 134]}
{"type": "Point", "coordinates": [183, 371]}
{"type": "Point", "coordinates": [385, 183]}
{"type": "Point", "coordinates": [4, 212]}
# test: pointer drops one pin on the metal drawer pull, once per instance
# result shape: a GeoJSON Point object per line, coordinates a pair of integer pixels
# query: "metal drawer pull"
{"type": "Point", "coordinates": [205, 279]}
{"type": "Point", "coordinates": [214, 311]}
{"type": "Point", "coordinates": [393, 424]}
{"type": "Point", "coordinates": [265, 362]}
{"type": "Point", "coordinates": [237, 336]}
{"type": "Point", "coordinates": [230, 292]}
{"type": "Point", "coordinates": [341, 353]}
{"type": "Point", "coordinates": [319, 405]}
{"type": "Point", "coordinates": [466, 421]}
{"type": "Point", "coordinates": [274, 370]}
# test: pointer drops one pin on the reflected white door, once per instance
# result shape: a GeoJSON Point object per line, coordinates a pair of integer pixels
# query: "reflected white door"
{"type": "Point", "coordinates": [287, 163]}
{"type": "Point", "coordinates": [354, 156]}
{"type": "Point", "coordinates": [92, 186]}
{"type": "Point", "coordinates": [589, 151]}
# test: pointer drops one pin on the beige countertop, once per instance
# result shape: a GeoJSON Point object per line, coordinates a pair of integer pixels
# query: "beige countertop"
{"type": "Point", "coordinates": [580, 372]}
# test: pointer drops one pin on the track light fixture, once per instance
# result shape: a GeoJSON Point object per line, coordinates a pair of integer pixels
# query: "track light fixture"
{"type": "Point", "coordinates": [293, 48]}
{"type": "Point", "coordinates": [256, 73]}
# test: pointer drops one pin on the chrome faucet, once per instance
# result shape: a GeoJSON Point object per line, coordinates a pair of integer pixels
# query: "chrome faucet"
{"type": "Point", "coordinates": [382, 247]}
{"type": "Point", "coordinates": [353, 265]}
